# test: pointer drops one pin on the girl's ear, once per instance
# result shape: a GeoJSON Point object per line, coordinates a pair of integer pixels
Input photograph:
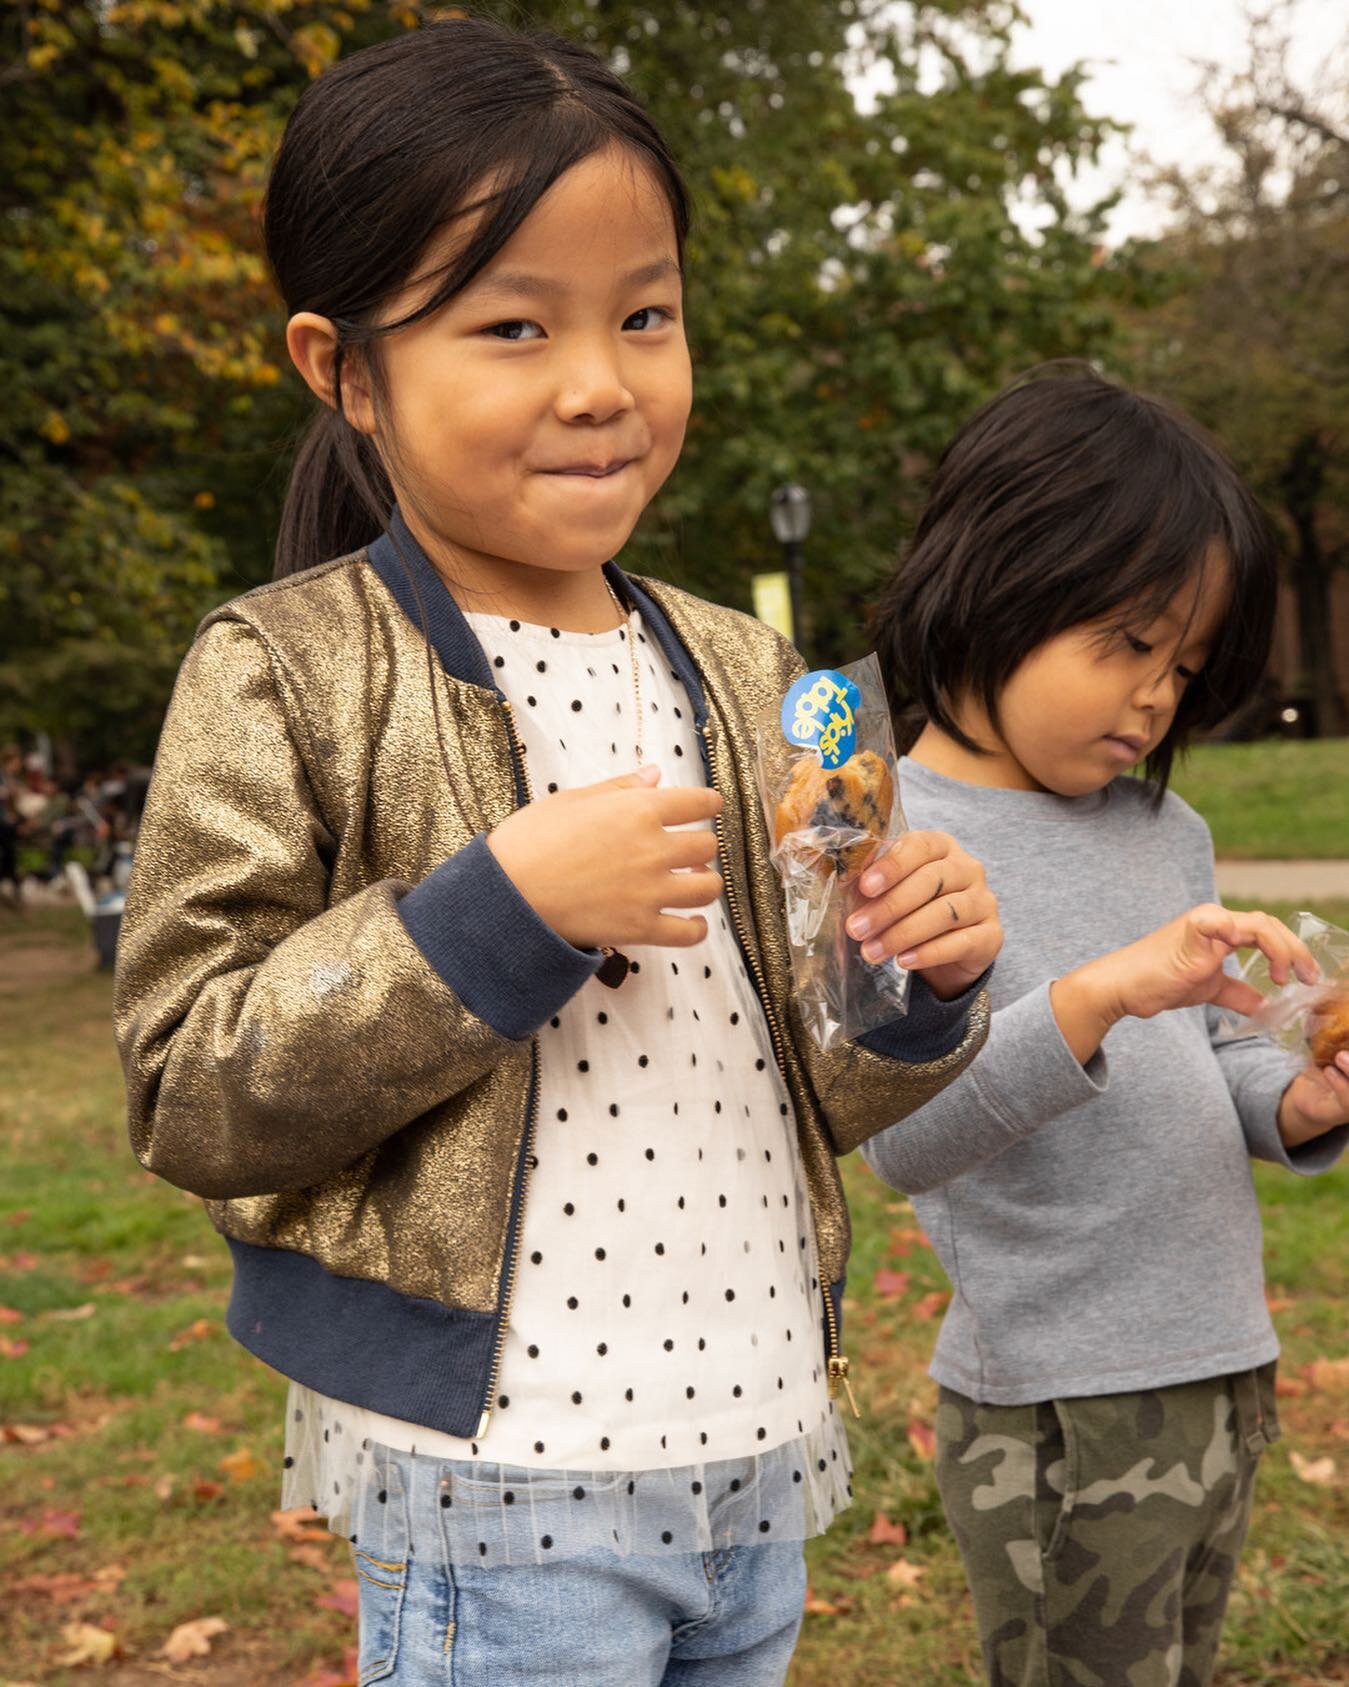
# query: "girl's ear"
{"type": "Point", "coordinates": [312, 341]}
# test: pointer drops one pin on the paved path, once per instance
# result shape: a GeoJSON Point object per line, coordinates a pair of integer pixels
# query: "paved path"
{"type": "Point", "coordinates": [1284, 881]}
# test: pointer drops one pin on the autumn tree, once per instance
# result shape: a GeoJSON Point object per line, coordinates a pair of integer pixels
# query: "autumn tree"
{"type": "Point", "coordinates": [1255, 339]}
{"type": "Point", "coordinates": [859, 280]}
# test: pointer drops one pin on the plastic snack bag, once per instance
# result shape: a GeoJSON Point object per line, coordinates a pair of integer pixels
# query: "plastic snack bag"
{"type": "Point", "coordinates": [831, 797]}
{"type": "Point", "coordinates": [1310, 1022]}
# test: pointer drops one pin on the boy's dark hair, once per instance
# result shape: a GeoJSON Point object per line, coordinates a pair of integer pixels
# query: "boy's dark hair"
{"type": "Point", "coordinates": [1067, 499]}
{"type": "Point", "coordinates": [381, 154]}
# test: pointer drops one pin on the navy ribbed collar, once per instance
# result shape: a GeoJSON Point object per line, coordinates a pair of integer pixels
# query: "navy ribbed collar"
{"type": "Point", "coordinates": [400, 561]}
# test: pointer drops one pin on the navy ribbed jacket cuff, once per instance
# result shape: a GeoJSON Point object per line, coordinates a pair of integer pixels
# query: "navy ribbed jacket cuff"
{"type": "Point", "coordinates": [930, 1029]}
{"type": "Point", "coordinates": [502, 961]}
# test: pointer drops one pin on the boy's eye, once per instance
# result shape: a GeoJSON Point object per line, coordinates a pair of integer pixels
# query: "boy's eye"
{"type": "Point", "coordinates": [649, 317]}
{"type": "Point", "coordinates": [519, 329]}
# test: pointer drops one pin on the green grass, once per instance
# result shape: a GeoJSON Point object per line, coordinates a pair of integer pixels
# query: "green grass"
{"type": "Point", "coordinates": [81, 1224]}
{"type": "Point", "coordinates": [1276, 800]}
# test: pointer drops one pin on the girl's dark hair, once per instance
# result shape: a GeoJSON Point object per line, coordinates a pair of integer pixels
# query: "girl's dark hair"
{"type": "Point", "coordinates": [381, 154]}
{"type": "Point", "coordinates": [1069, 499]}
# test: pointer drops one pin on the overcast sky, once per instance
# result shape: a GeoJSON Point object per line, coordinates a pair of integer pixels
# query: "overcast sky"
{"type": "Point", "coordinates": [1144, 74]}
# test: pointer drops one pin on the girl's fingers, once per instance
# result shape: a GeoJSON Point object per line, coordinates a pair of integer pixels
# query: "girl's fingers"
{"type": "Point", "coordinates": [928, 884]}
{"type": "Point", "coordinates": [696, 889]}
{"type": "Point", "coordinates": [1233, 993]}
{"type": "Point", "coordinates": [912, 851]}
{"type": "Point", "coordinates": [690, 849]}
{"type": "Point", "coordinates": [935, 919]}
{"type": "Point", "coordinates": [679, 805]}
{"type": "Point", "coordinates": [1285, 953]}
{"type": "Point", "coordinates": [944, 951]}
{"type": "Point", "coordinates": [670, 931]}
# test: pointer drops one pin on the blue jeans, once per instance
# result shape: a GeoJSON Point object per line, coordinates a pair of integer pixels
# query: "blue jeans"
{"type": "Point", "coordinates": [600, 1619]}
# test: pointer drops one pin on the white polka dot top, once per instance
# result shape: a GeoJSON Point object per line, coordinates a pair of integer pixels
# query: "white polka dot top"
{"type": "Point", "coordinates": [667, 1310]}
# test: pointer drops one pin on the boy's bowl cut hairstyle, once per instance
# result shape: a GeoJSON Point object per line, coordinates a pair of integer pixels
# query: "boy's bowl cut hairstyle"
{"type": "Point", "coordinates": [384, 152]}
{"type": "Point", "coordinates": [1069, 499]}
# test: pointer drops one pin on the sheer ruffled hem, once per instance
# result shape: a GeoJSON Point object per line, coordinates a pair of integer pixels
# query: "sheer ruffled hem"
{"type": "Point", "coordinates": [388, 1502]}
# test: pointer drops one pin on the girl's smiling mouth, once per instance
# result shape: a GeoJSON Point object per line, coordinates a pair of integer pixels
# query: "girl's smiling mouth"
{"type": "Point", "coordinates": [593, 471]}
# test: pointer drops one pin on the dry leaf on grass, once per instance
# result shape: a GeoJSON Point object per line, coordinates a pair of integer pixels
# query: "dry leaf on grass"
{"type": "Point", "coordinates": [202, 1422]}
{"type": "Point", "coordinates": [70, 1314]}
{"type": "Point", "coordinates": [57, 1524]}
{"type": "Point", "coordinates": [240, 1466]}
{"type": "Point", "coordinates": [1319, 1472]}
{"type": "Point", "coordinates": [165, 1485]}
{"type": "Point", "coordinates": [26, 1434]}
{"type": "Point", "coordinates": [1331, 1376]}
{"type": "Point", "coordinates": [930, 1305]}
{"type": "Point", "coordinates": [298, 1525]}
{"type": "Point", "coordinates": [192, 1639]}
{"type": "Point", "coordinates": [890, 1284]}
{"type": "Point", "coordinates": [344, 1675]}
{"type": "Point", "coordinates": [312, 1556]}
{"type": "Point", "coordinates": [904, 1574]}
{"type": "Point", "coordinates": [8, 1315]}
{"type": "Point", "coordinates": [12, 1349]}
{"type": "Point", "coordinates": [87, 1645]}
{"type": "Point", "coordinates": [194, 1332]}
{"type": "Point", "coordinates": [824, 1607]}
{"type": "Point", "coordinates": [922, 1439]}
{"type": "Point", "coordinates": [1290, 1388]}
{"type": "Point", "coordinates": [886, 1533]}
{"type": "Point", "coordinates": [204, 1491]}
{"type": "Point", "coordinates": [343, 1596]}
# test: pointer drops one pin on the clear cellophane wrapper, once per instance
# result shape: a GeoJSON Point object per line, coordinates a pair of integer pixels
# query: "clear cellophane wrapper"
{"type": "Point", "coordinates": [840, 995]}
{"type": "Point", "coordinates": [1295, 1014]}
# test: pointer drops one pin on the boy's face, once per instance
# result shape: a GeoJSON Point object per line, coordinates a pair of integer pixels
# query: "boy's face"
{"type": "Point", "coordinates": [1096, 700]}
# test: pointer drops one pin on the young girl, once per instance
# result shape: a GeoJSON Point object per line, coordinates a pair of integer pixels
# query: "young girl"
{"type": "Point", "coordinates": [1089, 586]}
{"type": "Point", "coordinates": [525, 1164]}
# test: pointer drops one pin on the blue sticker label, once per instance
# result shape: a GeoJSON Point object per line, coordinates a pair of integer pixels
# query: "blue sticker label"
{"type": "Point", "coordinates": [820, 713]}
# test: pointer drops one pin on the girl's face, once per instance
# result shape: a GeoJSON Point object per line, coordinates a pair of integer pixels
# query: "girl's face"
{"type": "Point", "coordinates": [1095, 700]}
{"type": "Point", "coordinates": [536, 415]}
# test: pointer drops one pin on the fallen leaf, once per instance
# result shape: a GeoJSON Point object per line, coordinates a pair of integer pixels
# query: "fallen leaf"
{"type": "Point", "coordinates": [194, 1332]}
{"type": "Point", "coordinates": [341, 1675]}
{"type": "Point", "coordinates": [1319, 1472]}
{"type": "Point", "coordinates": [820, 1607]}
{"type": "Point", "coordinates": [240, 1466]}
{"type": "Point", "coordinates": [204, 1491]}
{"type": "Point", "coordinates": [192, 1639]}
{"type": "Point", "coordinates": [886, 1533]}
{"type": "Point", "coordinates": [12, 1349]}
{"type": "Point", "coordinates": [165, 1485]}
{"type": "Point", "coordinates": [203, 1424]}
{"type": "Point", "coordinates": [904, 1574]}
{"type": "Point", "coordinates": [1289, 1388]}
{"type": "Point", "coordinates": [88, 1645]}
{"type": "Point", "coordinates": [922, 1439]}
{"type": "Point", "coordinates": [194, 1262]}
{"type": "Point", "coordinates": [59, 1525]}
{"type": "Point", "coordinates": [312, 1556]}
{"type": "Point", "coordinates": [298, 1525]}
{"type": "Point", "coordinates": [1329, 1375]}
{"type": "Point", "coordinates": [67, 1587]}
{"type": "Point", "coordinates": [20, 1217]}
{"type": "Point", "coordinates": [343, 1596]}
{"type": "Point", "coordinates": [25, 1434]}
{"type": "Point", "coordinates": [9, 1316]}
{"type": "Point", "coordinates": [70, 1314]}
{"type": "Point", "coordinates": [889, 1284]}
{"type": "Point", "coordinates": [930, 1305]}
{"type": "Point", "coordinates": [1340, 1429]}
{"type": "Point", "coordinates": [23, 1262]}
{"type": "Point", "coordinates": [1276, 1303]}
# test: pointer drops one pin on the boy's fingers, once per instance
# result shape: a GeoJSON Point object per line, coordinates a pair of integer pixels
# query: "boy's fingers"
{"type": "Point", "coordinates": [691, 890]}
{"type": "Point", "coordinates": [671, 931]}
{"type": "Point", "coordinates": [680, 804]}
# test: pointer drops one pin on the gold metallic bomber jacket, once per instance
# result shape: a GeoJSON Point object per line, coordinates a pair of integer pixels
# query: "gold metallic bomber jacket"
{"type": "Point", "coordinates": [327, 989]}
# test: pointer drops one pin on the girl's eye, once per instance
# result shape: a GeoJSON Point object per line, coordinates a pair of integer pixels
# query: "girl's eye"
{"type": "Point", "coordinates": [1138, 646]}
{"type": "Point", "coordinates": [516, 330]}
{"type": "Point", "coordinates": [1186, 673]}
{"type": "Point", "coordinates": [649, 317]}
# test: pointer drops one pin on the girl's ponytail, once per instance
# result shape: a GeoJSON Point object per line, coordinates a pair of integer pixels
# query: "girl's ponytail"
{"type": "Point", "coordinates": [338, 498]}
{"type": "Point", "coordinates": [381, 154]}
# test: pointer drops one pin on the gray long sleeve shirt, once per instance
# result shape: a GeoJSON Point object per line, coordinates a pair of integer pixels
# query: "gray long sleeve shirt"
{"type": "Point", "coordinates": [1099, 1224]}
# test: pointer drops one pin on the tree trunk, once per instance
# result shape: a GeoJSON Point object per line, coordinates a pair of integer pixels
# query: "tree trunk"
{"type": "Point", "coordinates": [1302, 482]}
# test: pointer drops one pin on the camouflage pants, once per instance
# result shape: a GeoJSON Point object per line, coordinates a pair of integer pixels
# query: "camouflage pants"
{"type": "Point", "coordinates": [1100, 1535]}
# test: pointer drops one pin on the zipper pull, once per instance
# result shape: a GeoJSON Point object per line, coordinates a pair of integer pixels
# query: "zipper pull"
{"type": "Point", "coordinates": [483, 1421]}
{"type": "Point", "coordinates": [838, 1378]}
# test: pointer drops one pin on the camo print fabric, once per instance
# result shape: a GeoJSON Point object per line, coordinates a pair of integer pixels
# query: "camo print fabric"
{"type": "Point", "coordinates": [1100, 1535]}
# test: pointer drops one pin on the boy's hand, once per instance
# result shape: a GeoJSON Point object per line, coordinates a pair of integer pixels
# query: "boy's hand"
{"type": "Point", "coordinates": [927, 902]}
{"type": "Point", "coordinates": [1315, 1102]}
{"type": "Point", "coordinates": [1178, 965]}
{"type": "Point", "coordinates": [600, 864]}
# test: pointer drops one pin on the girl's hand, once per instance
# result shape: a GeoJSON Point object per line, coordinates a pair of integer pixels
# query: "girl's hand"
{"type": "Point", "coordinates": [599, 865]}
{"type": "Point", "coordinates": [928, 903]}
{"type": "Point", "coordinates": [1179, 965]}
{"type": "Point", "coordinates": [1315, 1102]}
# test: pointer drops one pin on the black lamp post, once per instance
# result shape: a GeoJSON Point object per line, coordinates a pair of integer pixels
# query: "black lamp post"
{"type": "Point", "coordinates": [789, 512]}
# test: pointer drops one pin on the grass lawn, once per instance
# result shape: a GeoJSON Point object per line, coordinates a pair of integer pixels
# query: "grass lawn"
{"type": "Point", "coordinates": [1275, 800]}
{"type": "Point", "coordinates": [141, 1447]}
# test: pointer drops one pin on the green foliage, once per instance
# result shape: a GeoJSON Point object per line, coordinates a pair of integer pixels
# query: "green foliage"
{"type": "Point", "coordinates": [859, 280]}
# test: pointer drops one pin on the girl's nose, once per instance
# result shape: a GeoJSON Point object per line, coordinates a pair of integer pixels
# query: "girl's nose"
{"type": "Point", "coordinates": [1160, 692]}
{"type": "Point", "coordinates": [593, 391]}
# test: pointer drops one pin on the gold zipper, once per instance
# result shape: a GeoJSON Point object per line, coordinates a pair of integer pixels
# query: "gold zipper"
{"type": "Point", "coordinates": [513, 1264]}
{"type": "Point", "coordinates": [837, 1368]}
